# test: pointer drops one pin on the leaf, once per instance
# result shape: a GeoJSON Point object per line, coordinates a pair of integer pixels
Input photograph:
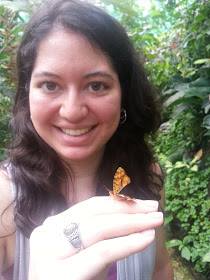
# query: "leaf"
{"type": "Point", "coordinates": [168, 219]}
{"type": "Point", "coordinates": [185, 253]}
{"type": "Point", "coordinates": [178, 110]}
{"type": "Point", "coordinates": [169, 91]}
{"type": "Point", "coordinates": [180, 164]}
{"type": "Point", "coordinates": [207, 133]}
{"type": "Point", "coordinates": [173, 243]}
{"type": "Point", "coordinates": [200, 92]}
{"type": "Point", "coordinates": [200, 82]}
{"type": "Point", "coordinates": [182, 86]}
{"type": "Point", "coordinates": [206, 121]}
{"type": "Point", "coordinates": [198, 156]}
{"type": "Point", "coordinates": [187, 94]}
{"type": "Point", "coordinates": [201, 61]}
{"type": "Point", "coordinates": [187, 239]}
{"type": "Point", "coordinates": [174, 98]}
{"type": "Point", "coordinates": [206, 106]}
{"type": "Point", "coordinates": [14, 6]}
{"type": "Point", "coordinates": [206, 257]}
{"type": "Point", "coordinates": [194, 168]}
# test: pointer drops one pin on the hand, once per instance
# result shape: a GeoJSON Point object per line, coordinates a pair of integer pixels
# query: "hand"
{"type": "Point", "coordinates": [110, 230]}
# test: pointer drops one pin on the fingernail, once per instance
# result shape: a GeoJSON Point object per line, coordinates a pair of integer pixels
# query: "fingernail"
{"type": "Point", "coordinates": [157, 215]}
{"type": "Point", "coordinates": [149, 232]}
{"type": "Point", "coordinates": [151, 204]}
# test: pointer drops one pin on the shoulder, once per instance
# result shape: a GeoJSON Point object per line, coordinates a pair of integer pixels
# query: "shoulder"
{"type": "Point", "coordinates": [163, 268]}
{"type": "Point", "coordinates": [156, 169]}
{"type": "Point", "coordinates": [158, 179]}
{"type": "Point", "coordinates": [6, 205]}
{"type": "Point", "coordinates": [7, 225]}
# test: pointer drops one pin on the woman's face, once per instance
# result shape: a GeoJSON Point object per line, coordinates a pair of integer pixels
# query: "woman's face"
{"type": "Point", "coordinates": [74, 96]}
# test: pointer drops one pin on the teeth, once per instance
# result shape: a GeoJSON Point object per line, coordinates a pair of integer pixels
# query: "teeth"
{"type": "Point", "coordinates": [76, 132]}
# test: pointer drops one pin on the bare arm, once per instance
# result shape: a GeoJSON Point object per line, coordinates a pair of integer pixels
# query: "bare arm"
{"type": "Point", "coordinates": [163, 268]}
{"type": "Point", "coordinates": [6, 222]}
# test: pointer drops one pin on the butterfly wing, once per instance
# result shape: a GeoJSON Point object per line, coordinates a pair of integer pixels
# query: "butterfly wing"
{"type": "Point", "coordinates": [120, 180]}
{"type": "Point", "coordinates": [125, 180]}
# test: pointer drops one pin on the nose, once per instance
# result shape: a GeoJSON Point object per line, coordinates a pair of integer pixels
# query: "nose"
{"type": "Point", "coordinates": [73, 106]}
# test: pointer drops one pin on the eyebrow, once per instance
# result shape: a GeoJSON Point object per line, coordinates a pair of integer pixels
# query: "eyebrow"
{"type": "Point", "coordinates": [46, 74]}
{"type": "Point", "coordinates": [99, 73]}
{"type": "Point", "coordinates": [89, 75]}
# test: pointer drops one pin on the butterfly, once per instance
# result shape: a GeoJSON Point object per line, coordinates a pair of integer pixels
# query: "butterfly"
{"type": "Point", "coordinates": [120, 181]}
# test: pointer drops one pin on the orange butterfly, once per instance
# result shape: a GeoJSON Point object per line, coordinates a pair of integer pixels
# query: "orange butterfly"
{"type": "Point", "coordinates": [120, 181]}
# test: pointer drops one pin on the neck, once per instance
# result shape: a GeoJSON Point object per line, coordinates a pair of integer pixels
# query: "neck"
{"type": "Point", "coordinates": [84, 179]}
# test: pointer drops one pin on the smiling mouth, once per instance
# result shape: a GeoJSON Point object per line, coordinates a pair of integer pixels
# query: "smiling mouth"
{"type": "Point", "coordinates": [76, 132]}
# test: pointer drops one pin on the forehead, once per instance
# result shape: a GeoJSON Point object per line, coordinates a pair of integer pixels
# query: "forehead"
{"type": "Point", "coordinates": [67, 49]}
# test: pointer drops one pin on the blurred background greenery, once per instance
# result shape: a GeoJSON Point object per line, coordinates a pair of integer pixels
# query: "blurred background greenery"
{"type": "Point", "coordinates": [173, 40]}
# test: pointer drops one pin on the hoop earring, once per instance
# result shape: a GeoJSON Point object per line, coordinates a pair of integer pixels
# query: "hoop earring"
{"type": "Point", "coordinates": [123, 116]}
{"type": "Point", "coordinates": [27, 87]}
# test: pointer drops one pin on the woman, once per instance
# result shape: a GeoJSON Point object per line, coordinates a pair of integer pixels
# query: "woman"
{"type": "Point", "coordinates": [83, 108]}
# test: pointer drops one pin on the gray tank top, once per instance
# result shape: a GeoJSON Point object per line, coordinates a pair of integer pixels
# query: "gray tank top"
{"type": "Point", "coordinates": [139, 266]}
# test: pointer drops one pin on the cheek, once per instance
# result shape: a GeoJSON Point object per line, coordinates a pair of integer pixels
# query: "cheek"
{"type": "Point", "coordinates": [109, 113]}
{"type": "Point", "coordinates": [35, 110]}
{"type": "Point", "coordinates": [39, 108]}
{"type": "Point", "coordinates": [109, 109]}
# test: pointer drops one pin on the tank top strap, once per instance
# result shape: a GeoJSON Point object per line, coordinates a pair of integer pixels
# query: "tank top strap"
{"type": "Point", "coordinates": [21, 258]}
{"type": "Point", "coordinates": [7, 169]}
{"type": "Point", "coordinates": [139, 266]}
{"type": "Point", "coordinates": [21, 262]}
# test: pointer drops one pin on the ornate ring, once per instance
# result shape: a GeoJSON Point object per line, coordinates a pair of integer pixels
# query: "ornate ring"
{"type": "Point", "coordinates": [72, 233]}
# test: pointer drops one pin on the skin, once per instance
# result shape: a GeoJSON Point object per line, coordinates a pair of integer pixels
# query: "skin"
{"type": "Point", "coordinates": [7, 226]}
{"type": "Point", "coordinates": [163, 268]}
{"type": "Point", "coordinates": [110, 230]}
{"type": "Point", "coordinates": [75, 99]}
{"type": "Point", "coordinates": [78, 89]}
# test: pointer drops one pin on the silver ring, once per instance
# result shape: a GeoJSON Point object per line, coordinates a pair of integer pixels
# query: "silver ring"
{"type": "Point", "coordinates": [72, 233]}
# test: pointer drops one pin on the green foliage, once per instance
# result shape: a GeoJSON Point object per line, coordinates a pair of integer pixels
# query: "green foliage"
{"type": "Point", "coordinates": [187, 42]}
{"type": "Point", "coordinates": [188, 209]}
{"type": "Point", "coordinates": [170, 38]}
{"type": "Point", "coordinates": [179, 140]}
{"type": "Point", "coordinates": [4, 120]}
{"type": "Point", "coordinates": [148, 33]}
{"type": "Point", "coordinates": [186, 101]}
{"type": "Point", "coordinates": [192, 96]}
{"type": "Point", "coordinates": [186, 185]}
{"type": "Point", "coordinates": [11, 25]}
{"type": "Point", "coordinates": [8, 38]}
{"type": "Point", "coordinates": [206, 258]}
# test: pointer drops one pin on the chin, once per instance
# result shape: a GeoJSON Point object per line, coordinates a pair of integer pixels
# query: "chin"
{"type": "Point", "coordinates": [77, 156]}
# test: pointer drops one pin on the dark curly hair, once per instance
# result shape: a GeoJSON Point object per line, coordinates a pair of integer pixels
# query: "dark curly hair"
{"type": "Point", "coordinates": [36, 169]}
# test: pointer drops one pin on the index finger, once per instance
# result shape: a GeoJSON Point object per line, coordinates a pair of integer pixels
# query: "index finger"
{"type": "Point", "coordinates": [107, 205]}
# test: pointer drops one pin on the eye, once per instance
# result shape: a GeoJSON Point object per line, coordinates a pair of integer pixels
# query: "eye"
{"type": "Point", "coordinates": [49, 86]}
{"type": "Point", "coordinates": [97, 86]}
